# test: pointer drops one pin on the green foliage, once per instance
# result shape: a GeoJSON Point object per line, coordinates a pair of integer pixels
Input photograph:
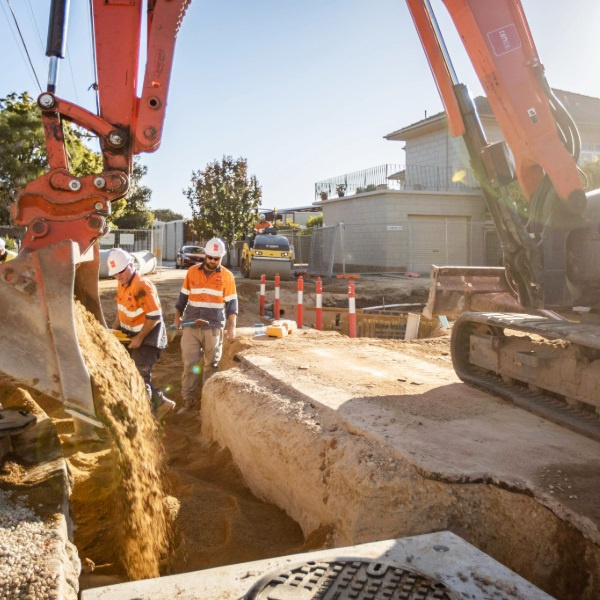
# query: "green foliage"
{"type": "Point", "coordinates": [316, 221]}
{"type": "Point", "coordinates": [10, 244]}
{"type": "Point", "coordinates": [166, 214]}
{"type": "Point", "coordinates": [592, 174]}
{"type": "Point", "coordinates": [22, 147]}
{"type": "Point", "coordinates": [132, 212]}
{"type": "Point", "coordinates": [289, 224]}
{"type": "Point", "coordinates": [224, 199]}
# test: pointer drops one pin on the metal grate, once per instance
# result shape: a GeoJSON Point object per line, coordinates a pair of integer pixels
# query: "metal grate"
{"type": "Point", "coordinates": [349, 579]}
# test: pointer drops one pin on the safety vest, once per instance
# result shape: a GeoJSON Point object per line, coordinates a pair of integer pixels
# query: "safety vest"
{"type": "Point", "coordinates": [208, 296]}
{"type": "Point", "coordinates": [137, 301]}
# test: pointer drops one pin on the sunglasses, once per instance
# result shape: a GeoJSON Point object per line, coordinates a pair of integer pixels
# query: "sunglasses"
{"type": "Point", "coordinates": [213, 258]}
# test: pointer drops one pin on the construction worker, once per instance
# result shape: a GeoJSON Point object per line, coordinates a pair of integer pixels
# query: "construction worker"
{"type": "Point", "coordinates": [4, 253]}
{"type": "Point", "coordinates": [139, 316]}
{"type": "Point", "coordinates": [262, 224]}
{"type": "Point", "coordinates": [208, 293]}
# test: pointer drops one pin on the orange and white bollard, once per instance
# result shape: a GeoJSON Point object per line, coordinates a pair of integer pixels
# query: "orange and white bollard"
{"type": "Point", "coordinates": [351, 310]}
{"type": "Point", "coordinates": [300, 307]}
{"type": "Point", "coordinates": [319, 306]}
{"type": "Point", "coordinates": [263, 282]}
{"type": "Point", "coordinates": [276, 304]}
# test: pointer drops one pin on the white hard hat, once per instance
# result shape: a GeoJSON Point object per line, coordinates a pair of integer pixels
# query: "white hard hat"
{"type": "Point", "coordinates": [118, 260]}
{"type": "Point", "coordinates": [215, 247]}
{"type": "Point", "coordinates": [261, 216]}
{"type": "Point", "coordinates": [2, 243]}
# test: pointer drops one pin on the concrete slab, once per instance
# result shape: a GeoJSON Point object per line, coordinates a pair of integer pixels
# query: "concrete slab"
{"type": "Point", "coordinates": [359, 440]}
{"type": "Point", "coordinates": [443, 557]}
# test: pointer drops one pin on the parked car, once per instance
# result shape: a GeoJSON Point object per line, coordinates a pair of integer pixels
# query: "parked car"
{"type": "Point", "coordinates": [189, 256]}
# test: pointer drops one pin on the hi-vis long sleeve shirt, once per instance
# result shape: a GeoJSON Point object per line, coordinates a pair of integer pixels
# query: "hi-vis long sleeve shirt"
{"type": "Point", "coordinates": [209, 295]}
{"type": "Point", "coordinates": [137, 301]}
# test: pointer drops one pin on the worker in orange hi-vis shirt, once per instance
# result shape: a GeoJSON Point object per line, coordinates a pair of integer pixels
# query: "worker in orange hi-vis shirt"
{"type": "Point", "coordinates": [208, 298]}
{"type": "Point", "coordinates": [262, 224]}
{"type": "Point", "coordinates": [139, 316]}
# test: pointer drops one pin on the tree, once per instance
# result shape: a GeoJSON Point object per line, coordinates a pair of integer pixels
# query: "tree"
{"type": "Point", "coordinates": [132, 212]}
{"type": "Point", "coordinates": [224, 200]}
{"type": "Point", "coordinates": [166, 214]}
{"type": "Point", "coordinates": [22, 147]}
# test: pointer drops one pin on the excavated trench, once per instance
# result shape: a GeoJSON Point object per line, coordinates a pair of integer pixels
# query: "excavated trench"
{"type": "Point", "coordinates": [270, 470]}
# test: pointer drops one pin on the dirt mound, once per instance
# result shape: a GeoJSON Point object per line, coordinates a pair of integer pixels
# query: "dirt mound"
{"type": "Point", "coordinates": [131, 497]}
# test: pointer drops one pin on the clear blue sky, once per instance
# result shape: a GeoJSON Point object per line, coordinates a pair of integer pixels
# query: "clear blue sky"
{"type": "Point", "coordinates": [304, 89]}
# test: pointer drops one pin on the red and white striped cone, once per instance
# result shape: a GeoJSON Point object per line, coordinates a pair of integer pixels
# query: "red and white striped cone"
{"type": "Point", "coordinates": [319, 306]}
{"type": "Point", "coordinates": [263, 281]}
{"type": "Point", "coordinates": [351, 310]}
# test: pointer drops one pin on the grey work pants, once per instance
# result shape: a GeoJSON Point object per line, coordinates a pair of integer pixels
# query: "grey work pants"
{"type": "Point", "coordinates": [144, 358]}
{"type": "Point", "coordinates": [201, 351]}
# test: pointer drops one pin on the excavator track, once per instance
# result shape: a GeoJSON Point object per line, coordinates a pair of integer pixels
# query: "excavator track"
{"type": "Point", "coordinates": [548, 366]}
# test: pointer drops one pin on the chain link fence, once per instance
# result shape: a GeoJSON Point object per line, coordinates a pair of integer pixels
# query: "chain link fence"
{"type": "Point", "coordinates": [411, 246]}
{"type": "Point", "coordinates": [136, 240]}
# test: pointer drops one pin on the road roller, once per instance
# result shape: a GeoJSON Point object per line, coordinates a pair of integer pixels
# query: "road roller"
{"type": "Point", "coordinates": [267, 253]}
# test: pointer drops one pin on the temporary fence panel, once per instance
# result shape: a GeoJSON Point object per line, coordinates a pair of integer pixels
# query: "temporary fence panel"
{"type": "Point", "coordinates": [300, 240]}
{"type": "Point", "coordinates": [131, 240]}
{"type": "Point", "coordinates": [404, 246]}
{"type": "Point", "coordinates": [322, 251]}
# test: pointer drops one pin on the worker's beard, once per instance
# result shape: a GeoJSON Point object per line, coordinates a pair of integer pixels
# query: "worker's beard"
{"type": "Point", "coordinates": [211, 265]}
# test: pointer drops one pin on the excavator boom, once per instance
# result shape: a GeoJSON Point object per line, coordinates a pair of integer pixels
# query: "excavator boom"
{"type": "Point", "coordinates": [66, 214]}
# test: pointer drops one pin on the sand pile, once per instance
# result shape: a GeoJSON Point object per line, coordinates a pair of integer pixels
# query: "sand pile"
{"type": "Point", "coordinates": [136, 513]}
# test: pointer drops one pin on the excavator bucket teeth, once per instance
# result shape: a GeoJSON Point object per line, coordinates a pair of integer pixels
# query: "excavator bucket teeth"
{"type": "Point", "coordinates": [37, 327]}
{"type": "Point", "coordinates": [454, 290]}
{"type": "Point", "coordinates": [270, 268]}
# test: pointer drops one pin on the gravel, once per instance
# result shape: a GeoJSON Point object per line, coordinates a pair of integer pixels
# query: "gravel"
{"type": "Point", "coordinates": [27, 548]}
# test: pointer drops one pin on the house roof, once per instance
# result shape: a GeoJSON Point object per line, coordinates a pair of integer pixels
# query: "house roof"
{"type": "Point", "coordinates": [585, 110]}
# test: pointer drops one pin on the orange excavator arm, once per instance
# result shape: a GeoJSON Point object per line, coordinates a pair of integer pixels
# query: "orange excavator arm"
{"type": "Point", "coordinates": [550, 248]}
{"type": "Point", "coordinates": [65, 214]}
{"type": "Point", "coordinates": [540, 151]}
{"type": "Point", "coordinates": [498, 41]}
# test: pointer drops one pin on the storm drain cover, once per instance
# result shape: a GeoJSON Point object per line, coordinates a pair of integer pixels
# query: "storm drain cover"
{"type": "Point", "coordinates": [348, 579]}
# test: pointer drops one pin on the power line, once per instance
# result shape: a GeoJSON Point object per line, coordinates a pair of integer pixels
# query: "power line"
{"type": "Point", "coordinates": [24, 44]}
{"type": "Point", "coordinates": [11, 27]}
{"type": "Point", "coordinates": [35, 26]}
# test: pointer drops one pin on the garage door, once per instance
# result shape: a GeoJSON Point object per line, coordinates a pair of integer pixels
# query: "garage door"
{"type": "Point", "coordinates": [442, 241]}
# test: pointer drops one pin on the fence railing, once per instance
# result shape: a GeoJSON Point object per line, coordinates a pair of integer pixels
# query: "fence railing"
{"type": "Point", "coordinates": [396, 177]}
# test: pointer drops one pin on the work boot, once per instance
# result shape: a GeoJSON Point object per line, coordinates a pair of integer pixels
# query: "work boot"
{"type": "Point", "coordinates": [166, 407]}
{"type": "Point", "coordinates": [188, 406]}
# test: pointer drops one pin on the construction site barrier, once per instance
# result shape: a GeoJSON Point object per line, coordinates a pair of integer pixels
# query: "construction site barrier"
{"type": "Point", "coordinates": [319, 305]}
{"type": "Point", "coordinates": [300, 302]}
{"type": "Point", "coordinates": [351, 310]}
{"type": "Point", "coordinates": [263, 281]}
{"type": "Point", "coordinates": [276, 303]}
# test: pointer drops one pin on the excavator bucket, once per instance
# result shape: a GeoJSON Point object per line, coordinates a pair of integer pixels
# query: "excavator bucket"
{"type": "Point", "coordinates": [37, 328]}
{"type": "Point", "coordinates": [454, 290]}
